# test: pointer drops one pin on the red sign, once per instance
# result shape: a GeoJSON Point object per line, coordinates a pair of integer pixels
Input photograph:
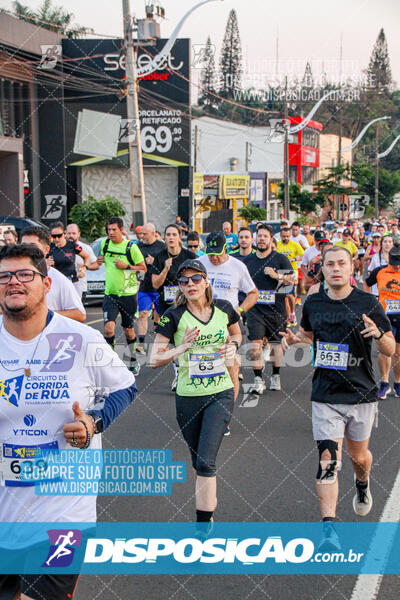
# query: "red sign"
{"type": "Point", "coordinates": [304, 156]}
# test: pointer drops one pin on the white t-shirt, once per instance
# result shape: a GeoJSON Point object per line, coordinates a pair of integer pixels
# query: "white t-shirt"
{"type": "Point", "coordinates": [309, 254]}
{"type": "Point", "coordinates": [62, 294]}
{"type": "Point", "coordinates": [228, 279]}
{"type": "Point", "coordinates": [376, 261]}
{"type": "Point", "coordinates": [67, 362]}
{"type": "Point", "coordinates": [302, 238]}
{"type": "Point", "coordinates": [79, 262]}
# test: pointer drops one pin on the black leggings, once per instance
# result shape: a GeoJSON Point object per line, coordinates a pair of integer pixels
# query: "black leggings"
{"type": "Point", "coordinates": [203, 420]}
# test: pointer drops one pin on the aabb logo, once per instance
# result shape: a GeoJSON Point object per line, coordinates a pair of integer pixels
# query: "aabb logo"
{"type": "Point", "coordinates": [116, 61]}
{"type": "Point", "coordinates": [62, 547]}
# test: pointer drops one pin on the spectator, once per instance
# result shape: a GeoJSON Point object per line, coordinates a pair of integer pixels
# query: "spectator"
{"type": "Point", "coordinates": [10, 237]}
{"type": "Point", "coordinates": [182, 225]}
{"type": "Point", "coordinates": [232, 240]}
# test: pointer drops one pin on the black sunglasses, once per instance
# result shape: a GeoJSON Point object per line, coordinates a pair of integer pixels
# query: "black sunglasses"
{"type": "Point", "coordinates": [195, 278]}
{"type": "Point", "coordinates": [57, 235]}
{"type": "Point", "coordinates": [193, 245]}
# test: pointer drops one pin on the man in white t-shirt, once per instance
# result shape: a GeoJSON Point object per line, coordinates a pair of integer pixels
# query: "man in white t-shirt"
{"type": "Point", "coordinates": [62, 297]}
{"type": "Point", "coordinates": [228, 277]}
{"type": "Point", "coordinates": [73, 235]}
{"type": "Point", "coordinates": [299, 237]}
{"type": "Point", "coordinates": [51, 369]}
{"type": "Point", "coordinates": [312, 252]}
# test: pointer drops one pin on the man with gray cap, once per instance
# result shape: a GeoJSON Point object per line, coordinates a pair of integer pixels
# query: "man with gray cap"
{"type": "Point", "coordinates": [387, 279]}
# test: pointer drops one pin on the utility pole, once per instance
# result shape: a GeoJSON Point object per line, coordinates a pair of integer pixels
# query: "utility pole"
{"type": "Point", "coordinates": [339, 164]}
{"type": "Point", "coordinates": [139, 212]}
{"type": "Point", "coordinates": [248, 154]}
{"type": "Point", "coordinates": [194, 170]}
{"type": "Point", "coordinates": [377, 171]}
{"type": "Point", "coordinates": [286, 157]}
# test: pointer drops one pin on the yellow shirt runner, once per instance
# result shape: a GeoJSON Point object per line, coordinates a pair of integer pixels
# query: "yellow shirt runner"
{"type": "Point", "coordinates": [292, 250]}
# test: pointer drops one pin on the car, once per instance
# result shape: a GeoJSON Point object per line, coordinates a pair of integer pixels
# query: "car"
{"type": "Point", "coordinates": [276, 225]}
{"type": "Point", "coordinates": [96, 280]}
{"type": "Point", "coordinates": [21, 222]}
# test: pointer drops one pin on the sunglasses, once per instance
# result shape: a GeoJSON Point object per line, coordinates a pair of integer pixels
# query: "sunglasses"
{"type": "Point", "coordinates": [195, 278]}
{"type": "Point", "coordinates": [193, 245]}
{"type": "Point", "coordinates": [57, 235]}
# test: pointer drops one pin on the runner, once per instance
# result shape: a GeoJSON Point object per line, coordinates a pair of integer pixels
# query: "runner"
{"type": "Point", "coordinates": [231, 238]}
{"type": "Point", "coordinates": [164, 273]}
{"type": "Point", "coordinates": [347, 243]}
{"type": "Point", "coordinates": [28, 331]}
{"type": "Point", "coordinates": [387, 280]}
{"type": "Point", "coordinates": [63, 253]}
{"type": "Point", "coordinates": [294, 252]}
{"type": "Point", "coordinates": [62, 296]}
{"type": "Point", "coordinates": [312, 252]}
{"type": "Point", "coordinates": [206, 336]}
{"type": "Point", "coordinates": [269, 271]}
{"type": "Point", "coordinates": [228, 277]}
{"type": "Point", "coordinates": [10, 237]}
{"type": "Point", "coordinates": [148, 296]}
{"type": "Point", "coordinates": [380, 259]}
{"type": "Point", "coordinates": [73, 235]}
{"type": "Point", "coordinates": [308, 235]}
{"type": "Point", "coordinates": [340, 323]}
{"type": "Point", "coordinates": [122, 260]}
{"type": "Point", "coordinates": [193, 243]}
{"type": "Point", "coordinates": [245, 240]}
{"type": "Point", "coordinates": [302, 240]}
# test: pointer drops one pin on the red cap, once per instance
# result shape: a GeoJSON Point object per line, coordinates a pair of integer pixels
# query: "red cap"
{"type": "Point", "coordinates": [138, 229]}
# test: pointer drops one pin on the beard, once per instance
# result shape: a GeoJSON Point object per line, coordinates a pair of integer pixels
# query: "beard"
{"type": "Point", "coordinates": [20, 313]}
{"type": "Point", "coordinates": [264, 249]}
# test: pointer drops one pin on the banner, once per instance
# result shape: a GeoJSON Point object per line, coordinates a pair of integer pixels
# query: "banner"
{"type": "Point", "coordinates": [234, 186]}
{"type": "Point", "coordinates": [198, 186]}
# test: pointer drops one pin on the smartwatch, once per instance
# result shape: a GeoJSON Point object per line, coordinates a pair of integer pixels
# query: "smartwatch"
{"type": "Point", "coordinates": [97, 421]}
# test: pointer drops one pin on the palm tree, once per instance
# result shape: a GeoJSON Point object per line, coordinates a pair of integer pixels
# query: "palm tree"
{"type": "Point", "coordinates": [50, 17]}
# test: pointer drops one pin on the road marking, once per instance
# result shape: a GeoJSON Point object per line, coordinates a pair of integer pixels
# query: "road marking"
{"type": "Point", "coordinates": [96, 321]}
{"type": "Point", "coordinates": [367, 586]}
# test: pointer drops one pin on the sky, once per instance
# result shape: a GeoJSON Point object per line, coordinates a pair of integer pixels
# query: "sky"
{"type": "Point", "coordinates": [308, 31]}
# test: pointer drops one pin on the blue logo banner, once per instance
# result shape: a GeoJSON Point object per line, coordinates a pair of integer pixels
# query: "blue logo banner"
{"type": "Point", "coordinates": [193, 548]}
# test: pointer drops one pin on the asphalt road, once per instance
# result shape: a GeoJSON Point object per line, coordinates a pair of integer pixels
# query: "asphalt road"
{"type": "Point", "coordinates": [266, 473]}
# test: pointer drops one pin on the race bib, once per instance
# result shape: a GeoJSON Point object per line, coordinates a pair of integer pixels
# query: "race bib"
{"type": "Point", "coordinates": [266, 297]}
{"type": "Point", "coordinates": [170, 292]}
{"type": "Point", "coordinates": [206, 365]}
{"type": "Point", "coordinates": [14, 458]}
{"type": "Point", "coordinates": [332, 356]}
{"type": "Point", "coordinates": [392, 307]}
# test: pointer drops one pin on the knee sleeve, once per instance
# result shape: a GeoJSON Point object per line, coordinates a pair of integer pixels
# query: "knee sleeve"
{"type": "Point", "coordinates": [327, 469]}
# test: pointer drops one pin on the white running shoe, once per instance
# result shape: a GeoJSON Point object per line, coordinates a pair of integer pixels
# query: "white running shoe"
{"type": "Point", "coordinates": [174, 384]}
{"type": "Point", "coordinates": [258, 386]}
{"type": "Point", "coordinates": [362, 501]}
{"type": "Point", "coordinates": [275, 383]}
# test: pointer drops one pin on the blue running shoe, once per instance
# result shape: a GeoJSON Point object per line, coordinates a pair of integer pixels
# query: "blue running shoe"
{"type": "Point", "coordinates": [384, 390]}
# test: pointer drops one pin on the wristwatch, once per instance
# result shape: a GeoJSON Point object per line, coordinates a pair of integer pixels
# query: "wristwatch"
{"type": "Point", "coordinates": [97, 422]}
{"type": "Point", "coordinates": [382, 333]}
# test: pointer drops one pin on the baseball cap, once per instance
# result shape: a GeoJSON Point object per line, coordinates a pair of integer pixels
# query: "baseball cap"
{"type": "Point", "coordinates": [394, 256]}
{"type": "Point", "coordinates": [215, 242]}
{"type": "Point", "coordinates": [319, 236]}
{"type": "Point", "coordinates": [346, 232]}
{"type": "Point", "coordinates": [194, 264]}
{"type": "Point", "coordinates": [376, 234]}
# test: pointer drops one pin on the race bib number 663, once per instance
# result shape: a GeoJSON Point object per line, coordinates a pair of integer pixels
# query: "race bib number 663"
{"type": "Point", "coordinates": [332, 356]}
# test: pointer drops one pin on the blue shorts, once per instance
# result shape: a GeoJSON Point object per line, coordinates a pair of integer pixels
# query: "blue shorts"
{"type": "Point", "coordinates": [146, 300]}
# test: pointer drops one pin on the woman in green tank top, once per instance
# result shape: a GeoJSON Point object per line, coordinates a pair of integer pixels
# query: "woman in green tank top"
{"type": "Point", "coordinates": [206, 336]}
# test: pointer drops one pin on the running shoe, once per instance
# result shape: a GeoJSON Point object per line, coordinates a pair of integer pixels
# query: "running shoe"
{"type": "Point", "coordinates": [330, 542]}
{"type": "Point", "coordinates": [227, 431]}
{"type": "Point", "coordinates": [258, 386]}
{"type": "Point", "coordinates": [362, 501]}
{"type": "Point", "coordinates": [384, 390]}
{"type": "Point", "coordinates": [140, 350]}
{"type": "Point", "coordinates": [134, 367]}
{"type": "Point", "coordinates": [397, 389]}
{"type": "Point", "coordinates": [275, 383]}
{"type": "Point", "coordinates": [292, 322]}
{"type": "Point", "coordinates": [203, 530]}
{"type": "Point", "coordinates": [174, 384]}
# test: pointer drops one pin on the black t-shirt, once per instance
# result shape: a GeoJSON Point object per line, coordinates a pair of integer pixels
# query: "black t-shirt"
{"type": "Point", "coordinates": [64, 258]}
{"type": "Point", "coordinates": [149, 250]}
{"type": "Point", "coordinates": [171, 280]}
{"type": "Point", "coordinates": [264, 283]}
{"type": "Point", "coordinates": [336, 325]}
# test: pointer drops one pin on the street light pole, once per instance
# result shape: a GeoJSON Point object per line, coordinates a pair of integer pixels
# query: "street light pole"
{"type": "Point", "coordinates": [377, 172]}
{"type": "Point", "coordinates": [139, 216]}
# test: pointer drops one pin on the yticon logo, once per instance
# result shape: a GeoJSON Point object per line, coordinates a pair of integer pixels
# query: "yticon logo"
{"type": "Point", "coordinates": [62, 547]}
{"type": "Point", "coordinates": [189, 550]}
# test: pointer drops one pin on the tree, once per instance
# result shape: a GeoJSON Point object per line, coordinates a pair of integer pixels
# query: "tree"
{"type": "Point", "coordinates": [231, 58]}
{"type": "Point", "coordinates": [50, 17]}
{"type": "Point", "coordinates": [252, 212]}
{"type": "Point", "coordinates": [379, 72]}
{"type": "Point", "coordinates": [207, 76]}
{"type": "Point", "coordinates": [92, 215]}
{"type": "Point", "coordinates": [301, 201]}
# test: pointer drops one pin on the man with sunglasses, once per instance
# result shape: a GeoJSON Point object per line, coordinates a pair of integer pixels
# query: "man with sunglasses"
{"type": "Point", "coordinates": [193, 243]}
{"type": "Point", "coordinates": [56, 395]}
{"type": "Point", "coordinates": [63, 253]}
